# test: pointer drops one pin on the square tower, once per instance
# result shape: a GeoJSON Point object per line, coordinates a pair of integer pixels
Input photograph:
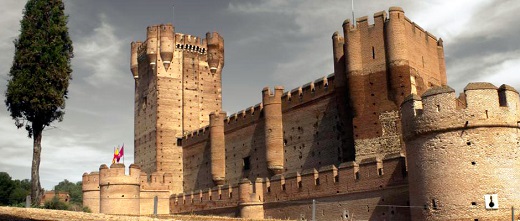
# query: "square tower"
{"type": "Point", "coordinates": [376, 67]}
{"type": "Point", "coordinates": [177, 85]}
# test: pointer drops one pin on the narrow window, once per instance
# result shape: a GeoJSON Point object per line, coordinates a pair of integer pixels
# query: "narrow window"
{"type": "Point", "coordinates": [373, 53]}
{"type": "Point", "coordinates": [247, 163]}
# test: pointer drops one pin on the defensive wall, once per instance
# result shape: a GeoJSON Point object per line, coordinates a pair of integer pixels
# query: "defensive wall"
{"type": "Point", "coordinates": [112, 191]}
{"type": "Point", "coordinates": [372, 189]}
{"type": "Point", "coordinates": [463, 152]}
{"type": "Point", "coordinates": [309, 136]}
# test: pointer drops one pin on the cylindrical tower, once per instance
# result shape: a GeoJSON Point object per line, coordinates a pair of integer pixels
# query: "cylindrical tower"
{"type": "Point", "coordinates": [354, 67]}
{"type": "Point", "coordinates": [119, 192]}
{"type": "Point", "coordinates": [396, 50]}
{"type": "Point", "coordinates": [218, 147]}
{"type": "Point", "coordinates": [167, 44]}
{"type": "Point", "coordinates": [215, 52]}
{"type": "Point", "coordinates": [273, 129]}
{"type": "Point", "coordinates": [250, 206]}
{"type": "Point", "coordinates": [151, 44]}
{"type": "Point", "coordinates": [90, 188]}
{"type": "Point", "coordinates": [339, 60]}
{"type": "Point", "coordinates": [133, 59]}
{"type": "Point", "coordinates": [463, 153]}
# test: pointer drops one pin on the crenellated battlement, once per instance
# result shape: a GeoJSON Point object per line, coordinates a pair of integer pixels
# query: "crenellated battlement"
{"type": "Point", "coordinates": [481, 105]}
{"type": "Point", "coordinates": [195, 136]}
{"type": "Point", "coordinates": [369, 175]}
{"type": "Point", "coordinates": [308, 92]}
{"type": "Point", "coordinates": [190, 43]}
{"type": "Point", "coordinates": [115, 175]}
{"type": "Point", "coordinates": [90, 181]}
{"type": "Point", "coordinates": [217, 197]}
{"type": "Point", "coordinates": [157, 181]}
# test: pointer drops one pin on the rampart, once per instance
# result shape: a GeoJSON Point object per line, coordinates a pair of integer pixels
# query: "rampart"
{"type": "Point", "coordinates": [463, 152]}
{"type": "Point", "coordinates": [283, 192]}
{"type": "Point", "coordinates": [157, 185]}
{"type": "Point", "coordinates": [309, 133]}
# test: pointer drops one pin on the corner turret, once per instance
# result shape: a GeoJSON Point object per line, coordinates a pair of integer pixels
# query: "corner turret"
{"type": "Point", "coordinates": [455, 143]}
{"type": "Point", "coordinates": [215, 52]}
{"type": "Point", "coordinates": [133, 58]}
{"type": "Point", "coordinates": [151, 45]}
{"type": "Point", "coordinates": [167, 44]}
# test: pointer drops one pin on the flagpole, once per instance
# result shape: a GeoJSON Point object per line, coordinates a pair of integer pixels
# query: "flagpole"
{"type": "Point", "coordinates": [353, 17]}
{"type": "Point", "coordinates": [123, 154]}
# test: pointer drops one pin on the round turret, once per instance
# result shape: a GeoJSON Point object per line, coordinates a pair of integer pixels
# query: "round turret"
{"type": "Point", "coordinates": [167, 44]}
{"type": "Point", "coordinates": [133, 59]}
{"type": "Point", "coordinates": [250, 207]}
{"type": "Point", "coordinates": [151, 45]}
{"type": "Point", "coordinates": [119, 192]}
{"type": "Point", "coordinates": [218, 147]}
{"type": "Point", "coordinates": [90, 189]}
{"type": "Point", "coordinates": [462, 153]}
{"type": "Point", "coordinates": [215, 52]}
{"type": "Point", "coordinates": [273, 129]}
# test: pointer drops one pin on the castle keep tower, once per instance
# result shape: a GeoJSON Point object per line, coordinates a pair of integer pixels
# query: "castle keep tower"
{"type": "Point", "coordinates": [177, 85]}
{"type": "Point", "coordinates": [377, 66]}
{"type": "Point", "coordinates": [463, 152]}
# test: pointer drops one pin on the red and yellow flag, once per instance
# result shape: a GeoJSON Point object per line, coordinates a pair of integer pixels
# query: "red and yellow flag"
{"type": "Point", "coordinates": [118, 153]}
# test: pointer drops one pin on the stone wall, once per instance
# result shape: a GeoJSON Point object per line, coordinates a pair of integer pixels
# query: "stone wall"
{"type": "Point", "coordinates": [373, 189]}
{"type": "Point", "coordinates": [312, 137]}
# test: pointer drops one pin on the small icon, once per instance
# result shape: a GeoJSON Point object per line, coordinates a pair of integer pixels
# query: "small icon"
{"type": "Point", "coordinates": [491, 201]}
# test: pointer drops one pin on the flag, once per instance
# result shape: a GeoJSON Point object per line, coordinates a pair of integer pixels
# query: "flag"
{"type": "Point", "coordinates": [116, 155]}
{"type": "Point", "coordinates": [121, 153]}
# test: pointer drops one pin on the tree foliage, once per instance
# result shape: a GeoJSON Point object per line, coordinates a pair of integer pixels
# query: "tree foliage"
{"type": "Point", "coordinates": [39, 75]}
{"type": "Point", "coordinates": [74, 190]}
{"type": "Point", "coordinates": [13, 192]}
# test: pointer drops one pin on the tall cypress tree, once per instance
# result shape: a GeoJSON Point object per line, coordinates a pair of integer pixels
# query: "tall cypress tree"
{"type": "Point", "coordinates": [39, 76]}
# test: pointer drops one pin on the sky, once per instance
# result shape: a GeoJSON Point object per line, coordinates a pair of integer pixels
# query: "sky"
{"type": "Point", "coordinates": [267, 43]}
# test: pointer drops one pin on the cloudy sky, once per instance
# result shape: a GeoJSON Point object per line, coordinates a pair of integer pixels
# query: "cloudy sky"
{"type": "Point", "coordinates": [267, 43]}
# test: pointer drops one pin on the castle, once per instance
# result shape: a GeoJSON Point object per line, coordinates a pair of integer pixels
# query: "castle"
{"type": "Point", "coordinates": [361, 141]}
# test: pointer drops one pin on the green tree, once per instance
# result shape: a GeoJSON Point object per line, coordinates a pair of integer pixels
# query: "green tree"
{"type": "Point", "coordinates": [6, 187]}
{"type": "Point", "coordinates": [21, 190]}
{"type": "Point", "coordinates": [39, 75]}
{"type": "Point", "coordinates": [74, 190]}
